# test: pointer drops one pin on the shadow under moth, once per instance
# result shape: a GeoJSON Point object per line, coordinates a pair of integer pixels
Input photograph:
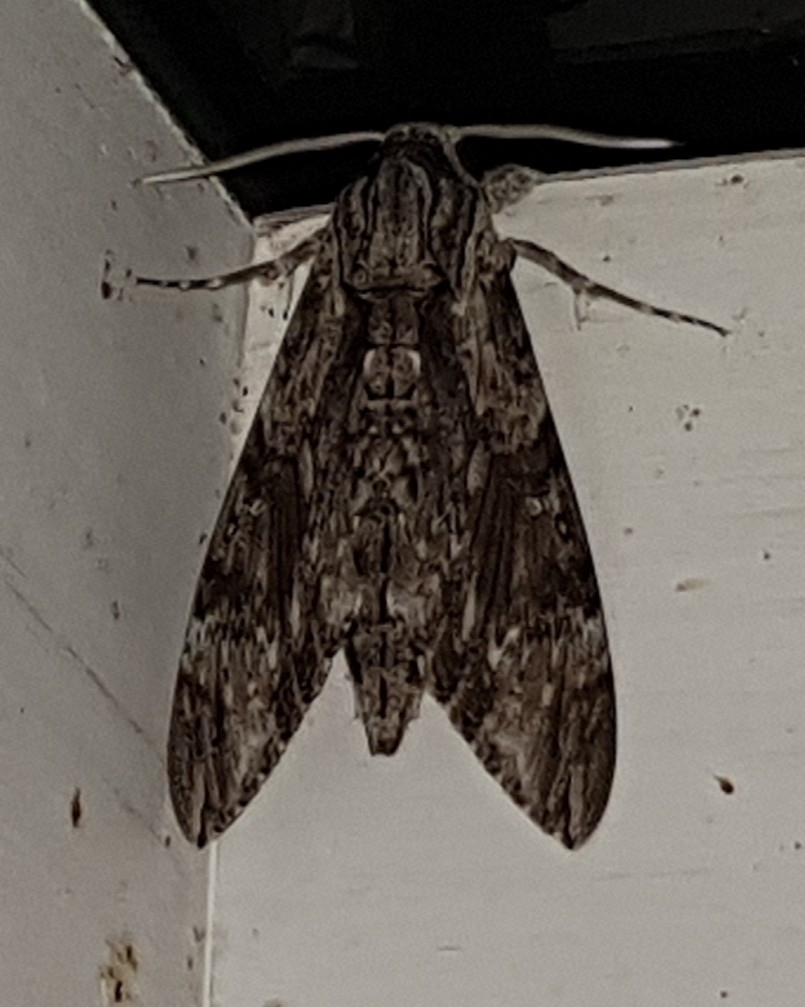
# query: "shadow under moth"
{"type": "Point", "coordinates": [402, 495]}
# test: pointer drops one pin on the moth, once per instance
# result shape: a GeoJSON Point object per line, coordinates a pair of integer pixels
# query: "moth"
{"type": "Point", "coordinates": [403, 495]}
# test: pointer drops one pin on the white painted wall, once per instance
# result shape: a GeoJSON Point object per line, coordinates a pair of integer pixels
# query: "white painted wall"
{"type": "Point", "coordinates": [356, 881]}
{"type": "Point", "coordinates": [110, 456]}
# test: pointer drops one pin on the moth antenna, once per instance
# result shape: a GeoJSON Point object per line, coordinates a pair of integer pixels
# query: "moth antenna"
{"type": "Point", "coordinates": [565, 134]}
{"type": "Point", "coordinates": [273, 150]}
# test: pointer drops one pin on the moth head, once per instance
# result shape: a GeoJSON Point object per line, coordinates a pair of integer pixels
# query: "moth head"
{"type": "Point", "coordinates": [414, 220]}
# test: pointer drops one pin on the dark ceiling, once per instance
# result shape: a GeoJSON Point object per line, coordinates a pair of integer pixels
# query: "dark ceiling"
{"type": "Point", "coordinates": [725, 77]}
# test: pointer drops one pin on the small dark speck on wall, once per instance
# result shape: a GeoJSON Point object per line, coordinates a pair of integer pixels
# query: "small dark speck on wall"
{"type": "Point", "coordinates": [687, 415]}
{"type": "Point", "coordinates": [76, 808]}
{"type": "Point", "coordinates": [727, 786]}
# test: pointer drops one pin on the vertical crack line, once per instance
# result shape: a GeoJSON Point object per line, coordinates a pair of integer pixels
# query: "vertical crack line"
{"type": "Point", "coordinates": [212, 878]}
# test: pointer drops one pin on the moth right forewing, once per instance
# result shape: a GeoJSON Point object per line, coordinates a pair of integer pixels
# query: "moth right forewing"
{"type": "Point", "coordinates": [524, 671]}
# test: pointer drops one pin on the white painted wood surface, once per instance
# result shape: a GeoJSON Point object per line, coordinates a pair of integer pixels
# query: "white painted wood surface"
{"type": "Point", "coordinates": [356, 881]}
{"type": "Point", "coordinates": [109, 454]}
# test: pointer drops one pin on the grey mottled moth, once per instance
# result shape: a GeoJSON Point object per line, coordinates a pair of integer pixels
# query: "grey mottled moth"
{"type": "Point", "coordinates": [403, 496]}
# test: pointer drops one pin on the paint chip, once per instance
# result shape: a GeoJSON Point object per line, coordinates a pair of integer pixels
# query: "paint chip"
{"type": "Point", "coordinates": [119, 975]}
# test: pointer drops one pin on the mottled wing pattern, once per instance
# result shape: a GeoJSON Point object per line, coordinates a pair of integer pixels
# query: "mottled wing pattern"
{"type": "Point", "coordinates": [525, 671]}
{"type": "Point", "coordinates": [251, 665]}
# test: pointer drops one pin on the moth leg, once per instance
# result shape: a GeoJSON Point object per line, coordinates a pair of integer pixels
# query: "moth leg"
{"type": "Point", "coordinates": [580, 283]}
{"type": "Point", "coordinates": [509, 184]}
{"type": "Point", "coordinates": [270, 270]}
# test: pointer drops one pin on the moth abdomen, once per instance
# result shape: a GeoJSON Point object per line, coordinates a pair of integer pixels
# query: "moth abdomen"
{"type": "Point", "coordinates": [388, 683]}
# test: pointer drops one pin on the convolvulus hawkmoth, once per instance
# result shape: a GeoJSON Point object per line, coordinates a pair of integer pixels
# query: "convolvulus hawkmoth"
{"type": "Point", "coordinates": [403, 495]}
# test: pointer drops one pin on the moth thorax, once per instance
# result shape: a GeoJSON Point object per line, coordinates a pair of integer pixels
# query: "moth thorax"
{"type": "Point", "coordinates": [394, 318]}
{"type": "Point", "coordinates": [396, 208]}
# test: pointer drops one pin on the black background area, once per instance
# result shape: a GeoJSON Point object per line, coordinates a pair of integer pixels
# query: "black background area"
{"type": "Point", "coordinates": [724, 78]}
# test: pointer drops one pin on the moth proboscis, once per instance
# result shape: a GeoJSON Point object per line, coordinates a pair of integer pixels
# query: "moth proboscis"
{"type": "Point", "coordinates": [403, 495]}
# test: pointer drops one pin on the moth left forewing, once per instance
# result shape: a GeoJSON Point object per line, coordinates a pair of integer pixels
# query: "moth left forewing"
{"type": "Point", "coordinates": [256, 649]}
{"type": "Point", "coordinates": [525, 672]}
